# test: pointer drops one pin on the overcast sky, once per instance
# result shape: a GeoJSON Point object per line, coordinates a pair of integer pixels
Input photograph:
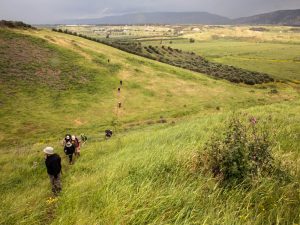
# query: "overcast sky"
{"type": "Point", "coordinates": [51, 11]}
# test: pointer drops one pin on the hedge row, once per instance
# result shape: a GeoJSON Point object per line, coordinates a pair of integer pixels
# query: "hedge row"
{"type": "Point", "coordinates": [186, 60]}
{"type": "Point", "coordinates": [15, 24]}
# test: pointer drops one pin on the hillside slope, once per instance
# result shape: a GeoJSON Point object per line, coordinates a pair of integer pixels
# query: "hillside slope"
{"type": "Point", "coordinates": [53, 83]}
{"type": "Point", "coordinates": [77, 87]}
{"type": "Point", "coordinates": [147, 177]}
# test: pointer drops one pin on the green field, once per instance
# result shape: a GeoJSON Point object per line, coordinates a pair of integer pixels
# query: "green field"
{"type": "Point", "coordinates": [278, 59]}
{"type": "Point", "coordinates": [275, 50]}
{"type": "Point", "coordinates": [55, 83]}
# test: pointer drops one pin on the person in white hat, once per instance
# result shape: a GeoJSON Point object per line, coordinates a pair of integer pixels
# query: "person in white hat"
{"type": "Point", "coordinates": [53, 164]}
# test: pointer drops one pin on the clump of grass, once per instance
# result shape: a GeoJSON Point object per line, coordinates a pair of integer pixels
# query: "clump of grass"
{"type": "Point", "coordinates": [274, 91]}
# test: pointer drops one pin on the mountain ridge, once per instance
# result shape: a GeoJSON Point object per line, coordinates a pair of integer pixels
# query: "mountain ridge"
{"type": "Point", "coordinates": [157, 18]}
{"type": "Point", "coordinates": [279, 17]}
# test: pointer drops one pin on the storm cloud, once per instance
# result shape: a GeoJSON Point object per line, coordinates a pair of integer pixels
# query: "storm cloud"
{"type": "Point", "coordinates": [52, 11]}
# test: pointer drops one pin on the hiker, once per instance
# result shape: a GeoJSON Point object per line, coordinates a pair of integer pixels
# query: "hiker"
{"type": "Point", "coordinates": [108, 134]}
{"type": "Point", "coordinates": [76, 144]}
{"type": "Point", "coordinates": [53, 164]}
{"type": "Point", "coordinates": [119, 90]}
{"type": "Point", "coordinates": [121, 82]}
{"type": "Point", "coordinates": [119, 104]}
{"type": "Point", "coordinates": [66, 139]}
{"type": "Point", "coordinates": [69, 148]}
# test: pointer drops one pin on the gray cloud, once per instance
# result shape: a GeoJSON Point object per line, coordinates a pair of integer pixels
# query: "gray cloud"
{"type": "Point", "coordinates": [51, 11]}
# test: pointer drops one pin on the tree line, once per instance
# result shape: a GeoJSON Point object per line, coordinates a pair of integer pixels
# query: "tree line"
{"type": "Point", "coordinates": [182, 59]}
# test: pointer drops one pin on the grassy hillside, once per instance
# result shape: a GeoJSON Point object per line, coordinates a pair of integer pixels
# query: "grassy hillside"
{"type": "Point", "coordinates": [77, 88]}
{"type": "Point", "coordinates": [55, 83]}
{"type": "Point", "coordinates": [47, 87]}
{"type": "Point", "coordinates": [146, 177]}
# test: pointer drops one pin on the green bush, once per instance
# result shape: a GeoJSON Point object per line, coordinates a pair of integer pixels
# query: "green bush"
{"type": "Point", "coordinates": [192, 40]}
{"type": "Point", "coordinates": [274, 91]}
{"type": "Point", "coordinates": [243, 151]}
{"type": "Point", "coordinates": [15, 24]}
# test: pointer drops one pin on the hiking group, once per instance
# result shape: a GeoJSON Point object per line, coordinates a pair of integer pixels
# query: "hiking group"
{"type": "Point", "coordinates": [71, 146]}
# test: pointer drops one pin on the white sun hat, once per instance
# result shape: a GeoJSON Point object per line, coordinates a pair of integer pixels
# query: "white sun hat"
{"type": "Point", "coordinates": [49, 150]}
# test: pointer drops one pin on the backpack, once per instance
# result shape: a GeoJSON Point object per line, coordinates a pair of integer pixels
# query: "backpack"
{"type": "Point", "coordinates": [75, 142]}
{"type": "Point", "coordinates": [83, 138]}
{"type": "Point", "coordinates": [108, 133]}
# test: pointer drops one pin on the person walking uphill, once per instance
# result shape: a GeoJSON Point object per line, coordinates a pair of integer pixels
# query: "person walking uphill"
{"type": "Point", "coordinates": [76, 144]}
{"type": "Point", "coordinates": [53, 164]}
{"type": "Point", "coordinates": [69, 148]}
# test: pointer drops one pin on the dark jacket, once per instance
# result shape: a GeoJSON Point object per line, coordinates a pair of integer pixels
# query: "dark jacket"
{"type": "Point", "coordinates": [69, 150]}
{"type": "Point", "coordinates": [53, 164]}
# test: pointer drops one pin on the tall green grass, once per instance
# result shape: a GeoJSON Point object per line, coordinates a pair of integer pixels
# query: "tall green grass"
{"type": "Point", "coordinates": [146, 177]}
{"type": "Point", "coordinates": [144, 174]}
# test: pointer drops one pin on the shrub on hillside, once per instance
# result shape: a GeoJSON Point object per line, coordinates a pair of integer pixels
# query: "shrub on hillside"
{"type": "Point", "coordinates": [274, 91]}
{"type": "Point", "coordinates": [243, 151]}
{"type": "Point", "coordinates": [192, 40]}
{"type": "Point", "coordinates": [170, 49]}
{"type": "Point", "coordinates": [260, 29]}
{"type": "Point", "coordinates": [15, 24]}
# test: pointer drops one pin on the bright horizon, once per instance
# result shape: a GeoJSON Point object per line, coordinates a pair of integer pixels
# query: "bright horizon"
{"type": "Point", "coordinates": [46, 11]}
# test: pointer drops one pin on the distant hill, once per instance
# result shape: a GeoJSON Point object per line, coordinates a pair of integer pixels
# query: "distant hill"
{"type": "Point", "coordinates": [157, 18]}
{"type": "Point", "coordinates": [282, 17]}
